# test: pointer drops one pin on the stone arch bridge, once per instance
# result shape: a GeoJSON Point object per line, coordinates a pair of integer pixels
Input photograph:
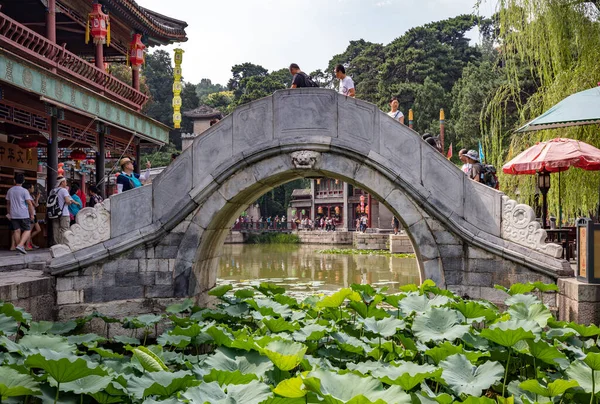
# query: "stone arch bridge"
{"type": "Point", "coordinates": [163, 241]}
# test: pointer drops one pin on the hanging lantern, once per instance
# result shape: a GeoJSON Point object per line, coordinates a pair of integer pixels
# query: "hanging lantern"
{"type": "Point", "coordinates": [27, 144]}
{"type": "Point", "coordinates": [293, 212]}
{"type": "Point", "coordinates": [77, 155]}
{"type": "Point", "coordinates": [318, 181]}
{"type": "Point", "coordinates": [367, 210]}
{"type": "Point", "coordinates": [337, 182]}
{"type": "Point", "coordinates": [303, 212]}
{"type": "Point", "coordinates": [320, 210]}
{"type": "Point", "coordinates": [98, 25]}
{"type": "Point", "coordinates": [177, 103]}
{"type": "Point", "coordinates": [136, 52]}
{"type": "Point", "coordinates": [91, 161]}
{"type": "Point", "coordinates": [337, 210]}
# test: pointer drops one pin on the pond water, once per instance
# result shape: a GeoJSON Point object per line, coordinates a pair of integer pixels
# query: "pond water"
{"type": "Point", "coordinates": [302, 270]}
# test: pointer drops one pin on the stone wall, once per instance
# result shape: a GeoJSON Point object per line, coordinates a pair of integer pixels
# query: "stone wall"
{"type": "Point", "coordinates": [235, 237]}
{"type": "Point", "coordinates": [30, 290]}
{"type": "Point", "coordinates": [370, 241]}
{"type": "Point", "coordinates": [578, 301]}
{"type": "Point", "coordinates": [400, 244]}
{"type": "Point", "coordinates": [325, 237]}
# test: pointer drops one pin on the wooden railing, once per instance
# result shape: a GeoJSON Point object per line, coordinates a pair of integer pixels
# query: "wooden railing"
{"type": "Point", "coordinates": [27, 43]}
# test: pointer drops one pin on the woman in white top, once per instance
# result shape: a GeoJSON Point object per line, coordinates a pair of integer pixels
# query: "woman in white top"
{"type": "Point", "coordinates": [395, 113]}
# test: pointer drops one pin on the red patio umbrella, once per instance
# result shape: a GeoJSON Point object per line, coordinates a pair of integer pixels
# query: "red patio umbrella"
{"type": "Point", "coordinates": [553, 156]}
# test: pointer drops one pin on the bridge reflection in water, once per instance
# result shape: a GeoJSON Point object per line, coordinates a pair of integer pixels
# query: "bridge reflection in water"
{"type": "Point", "coordinates": [301, 270]}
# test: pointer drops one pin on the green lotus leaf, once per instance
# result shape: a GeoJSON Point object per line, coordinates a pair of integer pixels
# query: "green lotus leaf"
{"type": "Point", "coordinates": [291, 388]}
{"type": "Point", "coordinates": [366, 367]}
{"type": "Point", "coordinates": [106, 353]}
{"type": "Point", "coordinates": [150, 400]}
{"type": "Point", "coordinates": [517, 288]}
{"type": "Point", "coordinates": [148, 359]}
{"type": "Point", "coordinates": [244, 293]}
{"type": "Point", "coordinates": [224, 377]}
{"type": "Point", "coordinates": [246, 363]}
{"type": "Point", "coordinates": [582, 373]}
{"type": "Point", "coordinates": [394, 300]}
{"type": "Point", "coordinates": [86, 385]}
{"type": "Point", "coordinates": [475, 311]}
{"type": "Point", "coordinates": [536, 312]}
{"type": "Point", "coordinates": [431, 398]}
{"type": "Point", "coordinates": [8, 325]}
{"type": "Point", "coordinates": [268, 307]}
{"type": "Point", "coordinates": [415, 303]}
{"type": "Point", "coordinates": [406, 374]}
{"type": "Point", "coordinates": [336, 299]}
{"type": "Point", "coordinates": [527, 300]}
{"type": "Point", "coordinates": [545, 287]}
{"type": "Point", "coordinates": [14, 384]}
{"type": "Point", "coordinates": [177, 341]}
{"type": "Point", "coordinates": [438, 324]}
{"type": "Point", "coordinates": [148, 320]}
{"type": "Point", "coordinates": [10, 345]}
{"type": "Point", "coordinates": [35, 342]}
{"type": "Point", "coordinates": [126, 340]}
{"type": "Point", "coordinates": [553, 389]}
{"type": "Point", "coordinates": [177, 308]}
{"type": "Point", "coordinates": [464, 378]}
{"type": "Point", "coordinates": [366, 311]}
{"type": "Point", "coordinates": [485, 400]}
{"type": "Point", "coordinates": [312, 332]}
{"type": "Point", "coordinates": [17, 313]}
{"type": "Point", "coordinates": [593, 360]}
{"type": "Point", "coordinates": [442, 351]}
{"type": "Point", "coordinates": [85, 339]}
{"type": "Point", "coordinates": [269, 289]}
{"type": "Point", "coordinates": [385, 328]}
{"type": "Point", "coordinates": [220, 336]}
{"type": "Point", "coordinates": [351, 388]}
{"type": "Point", "coordinates": [285, 355]}
{"type": "Point", "coordinates": [561, 333]}
{"type": "Point", "coordinates": [254, 392]}
{"type": "Point", "coordinates": [585, 331]}
{"type": "Point", "coordinates": [349, 343]}
{"type": "Point", "coordinates": [508, 333]}
{"type": "Point", "coordinates": [280, 325]}
{"type": "Point", "coordinates": [63, 368]}
{"type": "Point", "coordinates": [191, 331]}
{"type": "Point", "coordinates": [237, 310]}
{"type": "Point", "coordinates": [544, 351]}
{"type": "Point", "coordinates": [162, 384]}
{"type": "Point", "coordinates": [105, 398]}
{"type": "Point", "coordinates": [287, 300]}
{"type": "Point", "coordinates": [220, 291]}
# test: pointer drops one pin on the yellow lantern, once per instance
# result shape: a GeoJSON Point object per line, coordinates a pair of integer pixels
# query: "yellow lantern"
{"type": "Point", "coordinates": [177, 88]}
{"type": "Point", "coordinates": [177, 102]}
{"type": "Point", "coordinates": [177, 120]}
{"type": "Point", "coordinates": [178, 56]}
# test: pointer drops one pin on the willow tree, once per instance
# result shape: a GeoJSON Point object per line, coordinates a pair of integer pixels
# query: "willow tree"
{"type": "Point", "coordinates": [550, 49]}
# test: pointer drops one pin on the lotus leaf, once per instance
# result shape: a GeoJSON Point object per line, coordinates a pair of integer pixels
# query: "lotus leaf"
{"type": "Point", "coordinates": [8, 325]}
{"type": "Point", "coordinates": [162, 384]}
{"type": "Point", "coordinates": [285, 355]}
{"type": "Point", "coordinates": [86, 385]}
{"type": "Point", "coordinates": [220, 291]}
{"type": "Point", "coordinates": [385, 328]}
{"type": "Point", "coordinates": [582, 373]}
{"type": "Point", "coordinates": [553, 389]}
{"type": "Point", "coordinates": [177, 308]}
{"type": "Point", "coordinates": [14, 384]}
{"type": "Point", "coordinates": [247, 363]}
{"type": "Point", "coordinates": [336, 299]}
{"type": "Point", "coordinates": [280, 325]}
{"type": "Point", "coordinates": [536, 312]}
{"type": "Point", "coordinates": [509, 333]}
{"type": "Point", "coordinates": [211, 393]}
{"type": "Point", "coordinates": [464, 378]}
{"type": "Point", "coordinates": [291, 388]}
{"type": "Point", "coordinates": [84, 339]}
{"type": "Point", "coordinates": [475, 311]}
{"type": "Point", "coordinates": [585, 331]}
{"type": "Point", "coordinates": [35, 342]}
{"type": "Point", "coordinates": [544, 351]}
{"type": "Point", "coordinates": [438, 324]}
{"type": "Point", "coordinates": [126, 340]}
{"type": "Point", "coordinates": [269, 289]}
{"type": "Point", "coordinates": [406, 374]}
{"type": "Point", "coordinates": [148, 359]}
{"type": "Point", "coordinates": [312, 332]}
{"type": "Point", "coordinates": [351, 388]}
{"type": "Point", "coordinates": [416, 303]}
{"type": "Point", "coordinates": [63, 368]}
{"type": "Point", "coordinates": [17, 313]}
{"type": "Point", "coordinates": [224, 377]}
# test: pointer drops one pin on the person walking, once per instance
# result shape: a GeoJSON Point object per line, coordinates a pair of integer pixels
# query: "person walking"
{"type": "Point", "coordinates": [19, 205]}
{"type": "Point", "coordinates": [395, 225]}
{"type": "Point", "coordinates": [60, 196]}
{"type": "Point", "coordinates": [300, 79]}
{"type": "Point", "coordinates": [128, 179]}
{"type": "Point", "coordinates": [346, 83]}
{"type": "Point", "coordinates": [476, 169]}
{"type": "Point", "coordinates": [395, 113]}
{"type": "Point", "coordinates": [35, 226]}
{"type": "Point", "coordinates": [463, 158]}
{"type": "Point", "coordinates": [74, 208]}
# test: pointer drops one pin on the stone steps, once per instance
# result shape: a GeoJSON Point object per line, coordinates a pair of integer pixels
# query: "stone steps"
{"type": "Point", "coordinates": [15, 261]}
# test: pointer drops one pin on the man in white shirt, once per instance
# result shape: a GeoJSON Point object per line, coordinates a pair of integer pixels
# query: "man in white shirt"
{"type": "Point", "coordinates": [395, 113]}
{"type": "Point", "coordinates": [346, 83]}
{"type": "Point", "coordinates": [19, 205]}
{"type": "Point", "coordinates": [61, 224]}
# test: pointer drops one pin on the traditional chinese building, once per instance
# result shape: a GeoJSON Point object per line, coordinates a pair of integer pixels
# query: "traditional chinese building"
{"type": "Point", "coordinates": [58, 101]}
{"type": "Point", "coordinates": [341, 201]}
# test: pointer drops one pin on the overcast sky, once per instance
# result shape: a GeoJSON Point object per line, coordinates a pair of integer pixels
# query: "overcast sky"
{"type": "Point", "coordinates": [275, 33]}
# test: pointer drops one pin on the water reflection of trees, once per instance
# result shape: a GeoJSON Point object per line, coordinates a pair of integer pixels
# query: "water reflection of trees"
{"type": "Point", "coordinates": [243, 262]}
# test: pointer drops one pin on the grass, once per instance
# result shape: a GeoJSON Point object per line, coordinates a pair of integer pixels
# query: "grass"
{"type": "Point", "coordinates": [352, 251]}
{"type": "Point", "coordinates": [273, 238]}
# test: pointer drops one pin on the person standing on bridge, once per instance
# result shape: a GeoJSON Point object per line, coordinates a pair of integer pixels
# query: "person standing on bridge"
{"type": "Point", "coordinates": [476, 169]}
{"type": "Point", "coordinates": [128, 179]}
{"type": "Point", "coordinates": [301, 79]}
{"type": "Point", "coordinates": [346, 83]}
{"type": "Point", "coordinates": [395, 113]}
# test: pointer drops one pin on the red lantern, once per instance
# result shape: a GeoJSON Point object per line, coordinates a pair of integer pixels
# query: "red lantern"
{"type": "Point", "coordinates": [77, 155]}
{"type": "Point", "coordinates": [98, 25]}
{"type": "Point", "coordinates": [91, 161]}
{"type": "Point", "coordinates": [60, 172]}
{"type": "Point", "coordinates": [136, 52]}
{"type": "Point", "coordinates": [318, 181]}
{"type": "Point", "coordinates": [28, 144]}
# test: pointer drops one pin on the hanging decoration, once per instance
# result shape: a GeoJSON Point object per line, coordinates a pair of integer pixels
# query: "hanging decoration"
{"type": "Point", "coordinates": [337, 210]}
{"type": "Point", "coordinates": [60, 171]}
{"type": "Point", "coordinates": [318, 181]}
{"type": "Point", "coordinates": [362, 203]}
{"type": "Point", "coordinates": [27, 144]}
{"type": "Point", "coordinates": [77, 155]}
{"type": "Point", "coordinates": [367, 210]}
{"type": "Point", "coordinates": [135, 56]}
{"type": "Point", "coordinates": [177, 88]}
{"type": "Point", "coordinates": [98, 25]}
{"type": "Point", "coordinates": [320, 210]}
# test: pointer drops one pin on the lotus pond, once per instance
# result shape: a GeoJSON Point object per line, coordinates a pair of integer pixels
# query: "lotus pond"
{"type": "Point", "coordinates": [359, 345]}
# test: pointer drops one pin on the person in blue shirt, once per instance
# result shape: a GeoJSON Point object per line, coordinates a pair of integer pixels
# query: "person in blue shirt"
{"type": "Point", "coordinates": [75, 207]}
{"type": "Point", "coordinates": [128, 179]}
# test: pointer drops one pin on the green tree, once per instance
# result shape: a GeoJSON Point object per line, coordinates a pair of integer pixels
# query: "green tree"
{"type": "Point", "coordinates": [189, 101]}
{"type": "Point", "coordinates": [429, 99]}
{"type": "Point", "coordinates": [206, 87]}
{"type": "Point", "coordinates": [241, 72]}
{"type": "Point", "coordinates": [158, 72]}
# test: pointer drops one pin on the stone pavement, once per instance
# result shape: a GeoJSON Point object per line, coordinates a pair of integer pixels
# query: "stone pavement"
{"type": "Point", "coordinates": [13, 260]}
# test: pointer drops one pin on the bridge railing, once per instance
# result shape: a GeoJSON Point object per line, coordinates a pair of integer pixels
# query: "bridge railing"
{"type": "Point", "coordinates": [264, 226]}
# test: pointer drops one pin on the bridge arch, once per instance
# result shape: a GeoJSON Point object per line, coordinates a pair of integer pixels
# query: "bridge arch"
{"type": "Point", "coordinates": [467, 236]}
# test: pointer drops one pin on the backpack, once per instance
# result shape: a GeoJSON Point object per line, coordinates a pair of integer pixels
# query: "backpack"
{"type": "Point", "coordinates": [308, 80]}
{"type": "Point", "coordinates": [488, 176]}
{"type": "Point", "coordinates": [53, 209]}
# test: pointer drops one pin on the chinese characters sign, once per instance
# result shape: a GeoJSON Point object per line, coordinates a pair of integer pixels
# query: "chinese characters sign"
{"type": "Point", "coordinates": [13, 156]}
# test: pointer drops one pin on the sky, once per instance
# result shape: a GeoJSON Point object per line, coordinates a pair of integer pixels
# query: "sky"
{"type": "Point", "coordinates": [275, 33]}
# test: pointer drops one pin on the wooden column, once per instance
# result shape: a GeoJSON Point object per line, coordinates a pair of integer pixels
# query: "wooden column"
{"type": "Point", "coordinates": [370, 215]}
{"type": "Point", "coordinates": [100, 56]}
{"type": "Point", "coordinates": [52, 164]}
{"type": "Point", "coordinates": [51, 21]}
{"type": "Point", "coordinates": [138, 158]}
{"type": "Point", "coordinates": [100, 163]}
{"type": "Point", "coordinates": [135, 79]}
